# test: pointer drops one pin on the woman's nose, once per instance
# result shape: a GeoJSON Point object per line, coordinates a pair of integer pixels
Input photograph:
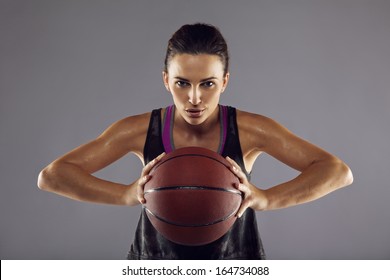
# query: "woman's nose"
{"type": "Point", "coordinates": [194, 96]}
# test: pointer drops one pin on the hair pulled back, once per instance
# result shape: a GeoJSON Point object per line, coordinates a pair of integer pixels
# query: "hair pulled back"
{"type": "Point", "coordinates": [198, 38]}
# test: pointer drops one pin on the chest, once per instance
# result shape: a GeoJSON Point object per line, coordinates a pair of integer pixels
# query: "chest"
{"type": "Point", "coordinates": [211, 140]}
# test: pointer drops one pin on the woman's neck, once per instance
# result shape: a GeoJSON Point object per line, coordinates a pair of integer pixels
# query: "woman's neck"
{"type": "Point", "coordinates": [211, 124]}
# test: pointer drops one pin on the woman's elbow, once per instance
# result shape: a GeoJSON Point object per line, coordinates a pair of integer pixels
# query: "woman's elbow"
{"type": "Point", "coordinates": [46, 178]}
{"type": "Point", "coordinates": [346, 175]}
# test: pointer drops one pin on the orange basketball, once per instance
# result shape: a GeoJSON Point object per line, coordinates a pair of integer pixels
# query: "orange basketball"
{"type": "Point", "coordinates": [191, 198]}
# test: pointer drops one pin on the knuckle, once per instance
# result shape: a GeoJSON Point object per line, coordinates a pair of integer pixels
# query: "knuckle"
{"type": "Point", "coordinates": [242, 187]}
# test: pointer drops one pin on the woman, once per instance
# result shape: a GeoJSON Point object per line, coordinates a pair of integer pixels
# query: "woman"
{"type": "Point", "coordinates": [196, 74]}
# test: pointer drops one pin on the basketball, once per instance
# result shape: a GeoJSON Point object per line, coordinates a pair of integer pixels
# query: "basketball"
{"type": "Point", "coordinates": [191, 199]}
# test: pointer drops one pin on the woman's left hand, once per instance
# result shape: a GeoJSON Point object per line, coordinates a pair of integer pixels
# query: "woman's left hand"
{"type": "Point", "coordinates": [253, 197]}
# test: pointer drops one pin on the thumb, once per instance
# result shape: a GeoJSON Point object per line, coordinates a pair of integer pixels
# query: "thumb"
{"type": "Point", "coordinates": [243, 207]}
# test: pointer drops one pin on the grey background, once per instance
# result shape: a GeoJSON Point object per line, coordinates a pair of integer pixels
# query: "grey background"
{"type": "Point", "coordinates": [68, 69]}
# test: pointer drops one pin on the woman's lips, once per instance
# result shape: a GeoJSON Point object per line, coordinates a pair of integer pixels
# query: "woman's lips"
{"type": "Point", "coordinates": [194, 113]}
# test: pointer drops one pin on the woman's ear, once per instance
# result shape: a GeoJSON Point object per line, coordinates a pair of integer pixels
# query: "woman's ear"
{"type": "Point", "coordinates": [225, 81]}
{"type": "Point", "coordinates": [165, 80]}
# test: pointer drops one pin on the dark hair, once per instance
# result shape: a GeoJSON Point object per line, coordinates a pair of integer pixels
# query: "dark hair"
{"type": "Point", "coordinates": [198, 38]}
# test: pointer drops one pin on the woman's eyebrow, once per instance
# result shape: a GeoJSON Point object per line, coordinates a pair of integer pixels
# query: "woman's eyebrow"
{"type": "Point", "coordinates": [203, 80]}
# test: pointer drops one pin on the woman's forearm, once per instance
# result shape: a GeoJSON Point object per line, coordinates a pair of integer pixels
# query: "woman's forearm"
{"type": "Point", "coordinates": [70, 180]}
{"type": "Point", "coordinates": [317, 180]}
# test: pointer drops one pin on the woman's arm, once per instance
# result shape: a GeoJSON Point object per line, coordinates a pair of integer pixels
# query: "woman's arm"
{"type": "Point", "coordinates": [321, 172]}
{"type": "Point", "coordinates": [71, 174]}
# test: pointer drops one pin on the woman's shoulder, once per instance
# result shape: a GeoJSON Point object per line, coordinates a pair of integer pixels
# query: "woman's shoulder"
{"type": "Point", "coordinates": [129, 132]}
{"type": "Point", "coordinates": [260, 126]}
{"type": "Point", "coordinates": [135, 124]}
{"type": "Point", "coordinates": [132, 122]}
{"type": "Point", "coordinates": [130, 129]}
{"type": "Point", "coordinates": [258, 131]}
{"type": "Point", "coordinates": [253, 120]}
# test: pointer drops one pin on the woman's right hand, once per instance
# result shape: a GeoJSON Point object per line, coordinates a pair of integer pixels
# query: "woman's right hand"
{"type": "Point", "coordinates": [145, 177]}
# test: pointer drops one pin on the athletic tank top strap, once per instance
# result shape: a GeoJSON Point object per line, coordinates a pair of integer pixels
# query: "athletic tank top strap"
{"type": "Point", "coordinates": [223, 116]}
{"type": "Point", "coordinates": [153, 144]}
{"type": "Point", "coordinates": [232, 146]}
{"type": "Point", "coordinates": [167, 136]}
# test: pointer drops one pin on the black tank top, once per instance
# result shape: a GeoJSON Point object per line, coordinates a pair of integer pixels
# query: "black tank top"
{"type": "Point", "coordinates": [242, 241]}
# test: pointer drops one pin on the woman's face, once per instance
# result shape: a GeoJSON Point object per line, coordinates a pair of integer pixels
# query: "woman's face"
{"type": "Point", "coordinates": [196, 83]}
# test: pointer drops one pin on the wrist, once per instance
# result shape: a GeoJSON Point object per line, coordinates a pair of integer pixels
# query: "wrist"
{"type": "Point", "coordinates": [262, 199]}
{"type": "Point", "coordinates": [129, 196]}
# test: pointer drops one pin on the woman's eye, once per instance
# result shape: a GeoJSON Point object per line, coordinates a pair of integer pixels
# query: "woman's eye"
{"type": "Point", "coordinates": [182, 84]}
{"type": "Point", "coordinates": [208, 84]}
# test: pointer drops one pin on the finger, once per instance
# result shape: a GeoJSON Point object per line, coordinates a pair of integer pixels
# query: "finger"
{"type": "Point", "coordinates": [160, 156]}
{"type": "Point", "coordinates": [244, 205]}
{"type": "Point", "coordinates": [236, 169]}
{"type": "Point", "coordinates": [140, 194]}
{"type": "Point", "coordinates": [145, 177]}
{"type": "Point", "coordinates": [151, 164]}
{"type": "Point", "coordinates": [140, 188]}
{"type": "Point", "coordinates": [242, 188]}
{"type": "Point", "coordinates": [233, 163]}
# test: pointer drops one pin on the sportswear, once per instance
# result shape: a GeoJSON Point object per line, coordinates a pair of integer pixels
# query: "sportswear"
{"type": "Point", "coordinates": [242, 241]}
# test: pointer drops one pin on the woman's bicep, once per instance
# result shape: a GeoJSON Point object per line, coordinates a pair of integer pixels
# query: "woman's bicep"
{"type": "Point", "coordinates": [92, 156]}
{"type": "Point", "coordinates": [290, 149]}
{"type": "Point", "coordinates": [116, 141]}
